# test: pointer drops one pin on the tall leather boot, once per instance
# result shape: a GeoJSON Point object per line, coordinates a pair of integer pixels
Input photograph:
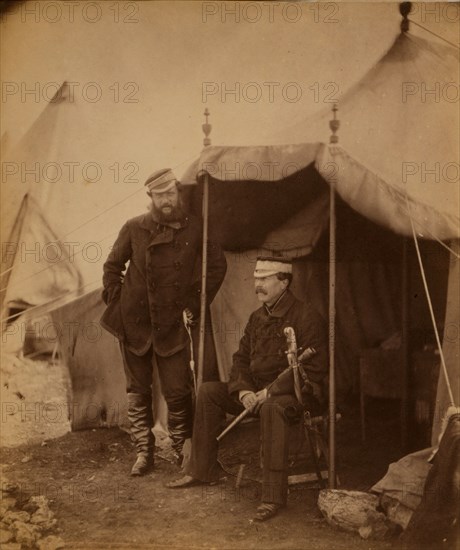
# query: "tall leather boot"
{"type": "Point", "coordinates": [141, 419]}
{"type": "Point", "coordinates": [180, 423]}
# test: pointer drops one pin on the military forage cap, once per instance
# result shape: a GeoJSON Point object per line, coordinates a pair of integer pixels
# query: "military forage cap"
{"type": "Point", "coordinates": [161, 181]}
{"type": "Point", "coordinates": [271, 265]}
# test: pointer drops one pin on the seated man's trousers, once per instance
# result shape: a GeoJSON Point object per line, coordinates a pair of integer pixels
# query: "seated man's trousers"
{"type": "Point", "coordinates": [277, 415]}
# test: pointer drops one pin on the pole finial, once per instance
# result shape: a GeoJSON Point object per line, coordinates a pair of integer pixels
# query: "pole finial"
{"type": "Point", "coordinates": [334, 125]}
{"type": "Point", "coordinates": [404, 9]}
{"type": "Point", "coordinates": [206, 129]}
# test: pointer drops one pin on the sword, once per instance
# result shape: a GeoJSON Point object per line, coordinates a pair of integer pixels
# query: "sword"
{"type": "Point", "coordinates": [192, 360]}
{"type": "Point", "coordinates": [309, 352]}
{"type": "Point", "coordinates": [293, 362]}
{"type": "Point", "coordinates": [232, 424]}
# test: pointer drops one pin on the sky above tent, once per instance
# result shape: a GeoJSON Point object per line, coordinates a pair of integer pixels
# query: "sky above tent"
{"type": "Point", "coordinates": [157, 65]}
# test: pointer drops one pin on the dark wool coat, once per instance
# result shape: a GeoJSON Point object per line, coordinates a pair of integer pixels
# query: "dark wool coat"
{"type": "Point", "coordinates": [162, 279]}
{"type": "Point", "coordinates": [261, 356]}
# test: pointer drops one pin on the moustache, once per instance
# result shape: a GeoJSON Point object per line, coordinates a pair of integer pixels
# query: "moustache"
{"type": "Point", "coordinates": [260, 291]}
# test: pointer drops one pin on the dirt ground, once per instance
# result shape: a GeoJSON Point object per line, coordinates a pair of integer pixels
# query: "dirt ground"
{"type": "Point", "coordinates": [85, 477]}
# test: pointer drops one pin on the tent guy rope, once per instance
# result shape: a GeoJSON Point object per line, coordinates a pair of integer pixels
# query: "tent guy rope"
{"type": "Point", "coordinates": [434, 34]}
{"type": "Point", "coordinates": [430, 306]}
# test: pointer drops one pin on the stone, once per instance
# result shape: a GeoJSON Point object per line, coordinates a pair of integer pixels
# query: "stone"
{"type": "Point", "coordinates": [6, 503]}
{"type": "Point", "coordinates": [50, 543]}
{"type": "Point", "coordinates": [10, 488]}
{"type": "Point", "coordinates": [356, 512]}
{"type": "Point", "coordinates": [25, 533]}
{"type": "Point", "coordinates": [10, 517]}
{"type": "Point", "coordinates": [34, 503]}
{"type": "Point", "coordinates": [5, 536]}
{"type": "Point", "coordinates": [41, 514]}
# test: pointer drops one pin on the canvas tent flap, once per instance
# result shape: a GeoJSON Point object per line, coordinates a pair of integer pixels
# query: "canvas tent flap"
{"type": "Point", "coordinates": [298, 235]}
{"type": "Point", "coordinates": [379, 200]}
{"type": "Point", "coordinates": [405, 479]}
{"type": "Point", "coordinates": [283, 214]}
{"type": "Point", "coordinates": [260, 163]}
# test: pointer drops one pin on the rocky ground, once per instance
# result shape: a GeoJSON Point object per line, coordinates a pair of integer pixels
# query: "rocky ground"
{"type": "Point", "coordinates": [78, 484]}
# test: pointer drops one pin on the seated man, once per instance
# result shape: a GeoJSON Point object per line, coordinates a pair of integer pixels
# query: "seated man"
{"type": "Point", "coordinates": [255, 385]}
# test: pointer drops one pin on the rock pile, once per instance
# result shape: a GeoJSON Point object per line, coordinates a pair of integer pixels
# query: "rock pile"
{"type": "Point", "coordinates": [27, 526]}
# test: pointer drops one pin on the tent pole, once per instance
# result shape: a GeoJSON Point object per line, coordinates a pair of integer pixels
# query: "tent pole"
{"type": "Point", "coordinates": [204, 265]}
{"type": "Point", "coordinates": [204, 259]}
{"type": "Point", "coordinates": [334, 125]}
{"type": "Point", "coordinates": [332, 281]}
{"type": "Point", "coordinates": [405, 342]}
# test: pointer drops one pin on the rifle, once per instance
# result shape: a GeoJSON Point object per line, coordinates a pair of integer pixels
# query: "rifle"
{"type": "Point", "coordinates": [293, 364]}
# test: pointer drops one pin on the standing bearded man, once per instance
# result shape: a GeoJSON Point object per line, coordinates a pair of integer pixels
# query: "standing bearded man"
{"type": "Point", "coordinates": [145, 305]}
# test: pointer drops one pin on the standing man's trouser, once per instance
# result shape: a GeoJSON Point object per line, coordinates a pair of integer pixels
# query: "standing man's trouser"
{"type": "Point", "coordinates": [174, 371]}
{"type": "Point", "coordinates": [176, 384]}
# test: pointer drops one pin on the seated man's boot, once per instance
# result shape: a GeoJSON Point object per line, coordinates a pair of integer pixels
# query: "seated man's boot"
{"type": "Point", "coordinates": [180, 424]}
{"type": "Point", "coordinates": [140, 416]}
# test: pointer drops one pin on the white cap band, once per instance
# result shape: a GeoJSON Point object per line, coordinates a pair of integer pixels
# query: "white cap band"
{"type": "Point", "coordinates": [266, 268]}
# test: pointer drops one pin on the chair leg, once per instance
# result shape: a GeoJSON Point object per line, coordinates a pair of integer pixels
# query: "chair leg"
{"type": "Point", "coordinates": [363, 416]}
{"type": "Point", "coordinates": [314, 440]}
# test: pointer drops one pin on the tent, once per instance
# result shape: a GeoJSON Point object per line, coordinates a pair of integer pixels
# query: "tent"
{"type": "Point", "coordinates": [276, 197]}
{"type": "Point", "coordinates": [83, 181]}
{"type": "Point", "coordinates": [271, 198]}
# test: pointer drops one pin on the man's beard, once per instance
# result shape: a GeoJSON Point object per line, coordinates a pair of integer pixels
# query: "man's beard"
{"type": "Point", "coordinates": [175, 215]}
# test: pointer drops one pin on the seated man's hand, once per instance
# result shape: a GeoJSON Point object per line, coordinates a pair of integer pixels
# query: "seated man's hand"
{"type": "Point", "coordinates": [249, 400]}
{"type": "Point", "coordinates": [261, 398]}
{"type": "Point", "coordinates": [253, 401]}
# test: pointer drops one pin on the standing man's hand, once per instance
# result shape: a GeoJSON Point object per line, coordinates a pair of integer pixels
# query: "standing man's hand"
{"type": "Point", "coordinates": [190, 317]}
